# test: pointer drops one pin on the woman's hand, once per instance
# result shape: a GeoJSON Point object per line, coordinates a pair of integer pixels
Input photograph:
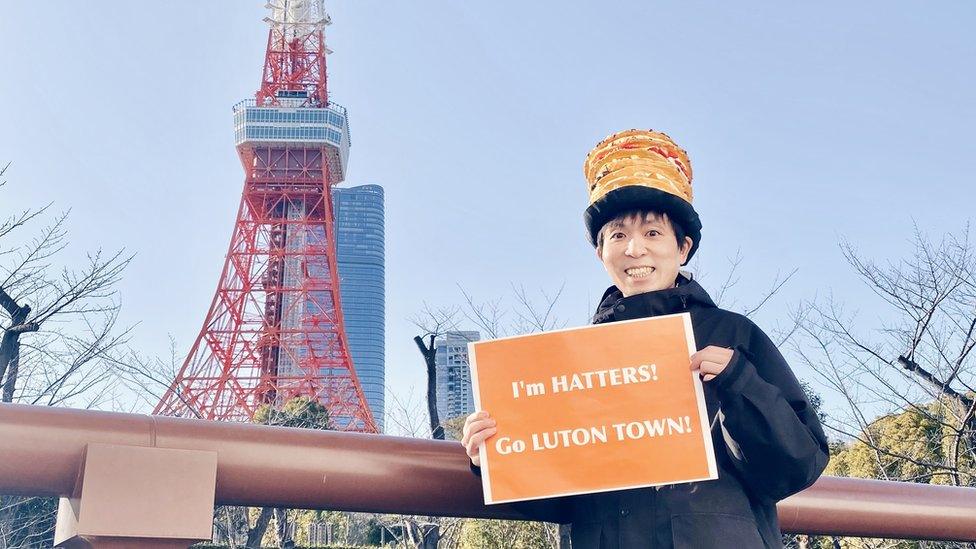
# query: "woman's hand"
{"type": "Point", "coordinates": [711, 361]}
{"type": "Point", "coordinates": [477, 428]}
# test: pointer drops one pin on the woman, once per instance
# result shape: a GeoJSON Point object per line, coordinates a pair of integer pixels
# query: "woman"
{"type": "Point", "coordinates": [767, 438]}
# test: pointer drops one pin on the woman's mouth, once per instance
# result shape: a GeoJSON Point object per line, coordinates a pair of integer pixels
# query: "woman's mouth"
{"type": "Point", "coordinates": [639, 272]}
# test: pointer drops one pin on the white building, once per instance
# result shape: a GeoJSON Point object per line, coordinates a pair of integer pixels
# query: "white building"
{"type": "Point", "coordinates": [454, 396]}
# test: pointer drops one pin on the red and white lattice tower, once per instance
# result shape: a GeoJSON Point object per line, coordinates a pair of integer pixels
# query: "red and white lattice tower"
{"type": "Point", "coordinates": [275, 328]}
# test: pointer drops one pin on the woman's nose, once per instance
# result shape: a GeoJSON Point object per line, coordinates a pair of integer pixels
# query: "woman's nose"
{"type": "Point", "coordinates": [635, 248]}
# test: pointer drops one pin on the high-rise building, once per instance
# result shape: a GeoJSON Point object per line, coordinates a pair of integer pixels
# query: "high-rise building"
{"type": "Point", "coordinates": [361, 258]}
{"type": "Point", "coordinates": [454, 396]}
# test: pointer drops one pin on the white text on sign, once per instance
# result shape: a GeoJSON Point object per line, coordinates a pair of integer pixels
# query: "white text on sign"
{"type": "Point", "coordinates": [597, 379]}
{"type": "Point", "coordinates": [582, 436]}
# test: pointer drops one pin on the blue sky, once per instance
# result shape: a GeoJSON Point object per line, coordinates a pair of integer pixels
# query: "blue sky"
{"type": "Point", "coordinates": [806, 124]}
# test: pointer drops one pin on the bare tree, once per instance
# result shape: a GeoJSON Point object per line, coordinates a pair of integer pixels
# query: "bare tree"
{"type": "Point", "coordinates": [434, 324]}
{"type": "Point", "coordinates": [149, 377]}
{"type": "Point", "coordinates": [71, 315]}
{"type": "Point", "coordinates": [914, 368]}
{"type": "Point", "coordinates": [724, 294]}
{"type": "Point", "coordinates": [59, 330]}
{"type": "Point", "coordinates": [491, 318]}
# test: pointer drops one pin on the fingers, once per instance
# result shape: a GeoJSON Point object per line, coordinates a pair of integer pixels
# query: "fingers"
{"type": "Point", "coordinates": [709, 367]}
{"type": "Point", "coordinates": [475, 441]}
{"type": "Point", "coordinates": [477, 428]}
{"type": "Point", "coordinates": [715, 351]}
{"type": "Point", "coordinates": [474, 416]}
{"type": "Point", "coordinates": [712, 353]}
{"type": "Point", "coordinates": [711, 361]}
{"type": "Point", "coordinates": [709, 370]}
{"type": "Point", "coordinates": [469, 421]}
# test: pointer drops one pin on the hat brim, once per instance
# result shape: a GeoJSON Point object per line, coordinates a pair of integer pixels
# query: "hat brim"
{"type": "Point", "coordinates": [635, 197]}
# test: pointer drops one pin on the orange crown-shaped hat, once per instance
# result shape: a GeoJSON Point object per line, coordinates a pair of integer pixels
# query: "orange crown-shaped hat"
{"type": "Point", "coordinates": [638, 157]}
{"type": "Point", "coordinates": [637, 170]}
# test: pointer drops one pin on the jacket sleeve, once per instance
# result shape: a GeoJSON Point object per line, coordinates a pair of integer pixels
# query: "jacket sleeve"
{"type": "Point", "coordinates": [772, 433]}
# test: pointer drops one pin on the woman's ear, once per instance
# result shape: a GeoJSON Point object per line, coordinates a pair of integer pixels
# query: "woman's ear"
{"type": "Point", "coordinates": [686, 249]}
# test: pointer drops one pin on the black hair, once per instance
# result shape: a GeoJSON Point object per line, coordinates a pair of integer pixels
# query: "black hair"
{"type": "Point", "coordinates": [679, 231]}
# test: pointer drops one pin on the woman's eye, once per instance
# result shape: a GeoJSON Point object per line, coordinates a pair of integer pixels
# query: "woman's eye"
{"type": "Point", "coordinates": [653, 232]}
{"type": "Point", "coordinates": [616, 236]}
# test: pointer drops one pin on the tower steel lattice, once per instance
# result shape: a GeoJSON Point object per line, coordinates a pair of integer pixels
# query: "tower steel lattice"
{"type": "Point", "coordinates": [275, 329]}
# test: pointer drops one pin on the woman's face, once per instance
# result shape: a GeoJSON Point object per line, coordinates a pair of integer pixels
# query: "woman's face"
{"type": "Point", "coordinates": [641, 254]}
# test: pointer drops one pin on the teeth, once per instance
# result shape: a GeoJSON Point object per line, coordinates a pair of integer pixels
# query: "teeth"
{"type": "Point", "coordinates": [639, 272]}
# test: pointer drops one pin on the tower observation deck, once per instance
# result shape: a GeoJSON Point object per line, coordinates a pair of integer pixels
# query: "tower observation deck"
{"type": "Point", "coordinates": [275, 327]}
{"type": "Point", "coordinates": [291, 123]}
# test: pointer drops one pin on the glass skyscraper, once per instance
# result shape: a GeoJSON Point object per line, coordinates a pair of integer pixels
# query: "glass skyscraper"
{"type": "Point", "coordinates": [361, 260]}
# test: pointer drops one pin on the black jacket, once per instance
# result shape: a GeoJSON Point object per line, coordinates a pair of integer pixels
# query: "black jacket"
{"type": "Point", "coordinates": [767, 438]}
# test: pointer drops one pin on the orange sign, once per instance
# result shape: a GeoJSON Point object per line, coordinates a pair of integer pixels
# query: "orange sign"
{"type": "Point", "coordinates": [592, 409]}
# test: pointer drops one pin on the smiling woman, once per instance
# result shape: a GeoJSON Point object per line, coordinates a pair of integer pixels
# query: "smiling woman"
{"type": "Point", "coordinates": [642, 251]}
{"type": "Point", "coordinates": [767, 437]}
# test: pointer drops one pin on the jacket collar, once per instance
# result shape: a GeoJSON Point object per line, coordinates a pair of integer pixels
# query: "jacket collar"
{"type": "Point", "coordinates": [685, 296]}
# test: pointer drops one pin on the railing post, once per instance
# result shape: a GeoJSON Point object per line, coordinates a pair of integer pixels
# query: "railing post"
{"type": "Point", "coordinates": [134, 496]}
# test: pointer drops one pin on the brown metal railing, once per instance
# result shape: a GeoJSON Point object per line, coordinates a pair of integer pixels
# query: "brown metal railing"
{"type": "Point", "coordinates": [79, 454]}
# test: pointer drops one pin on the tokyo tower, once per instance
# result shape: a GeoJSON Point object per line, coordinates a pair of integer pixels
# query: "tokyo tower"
{"type": "Point", "coordinates": [275, 329]}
